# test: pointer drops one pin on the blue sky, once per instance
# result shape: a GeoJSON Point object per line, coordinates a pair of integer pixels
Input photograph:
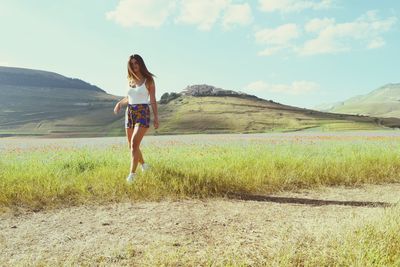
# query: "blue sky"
{"type": "Point", "coordinates": [296, 52]}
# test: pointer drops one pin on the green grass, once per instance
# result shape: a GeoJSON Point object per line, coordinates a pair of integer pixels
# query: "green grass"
{"type": "Point", "coordinates": [55, 176]}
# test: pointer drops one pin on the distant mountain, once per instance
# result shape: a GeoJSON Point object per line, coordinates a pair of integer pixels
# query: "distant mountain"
{"type": "Point", "coordinates": [382, 102]}
{"type": "Point", "coordinates": [327, 106]}
{"type": "Point", "coordinates": [48, 104]}
{"type": "Point", "coordinates": [35, 102]}
{"type": "Point", "coordinates": [37, 78]}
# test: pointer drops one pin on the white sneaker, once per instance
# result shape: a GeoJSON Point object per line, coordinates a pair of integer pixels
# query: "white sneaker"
{"type": "Point", "coordinates": [145, 167]}
{"type": "Point", "coordinates": [131, 178]}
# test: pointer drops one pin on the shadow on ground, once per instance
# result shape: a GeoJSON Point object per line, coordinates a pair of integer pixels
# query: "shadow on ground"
{"type": "Point", "coordinates": [306, 201]}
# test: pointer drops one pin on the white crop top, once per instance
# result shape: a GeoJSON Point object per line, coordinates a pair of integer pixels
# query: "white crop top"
{"type": "Point", "coordinates": [138, 95]}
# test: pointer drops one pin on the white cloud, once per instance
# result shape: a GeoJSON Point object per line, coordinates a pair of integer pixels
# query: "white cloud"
{"type": "Point", "coordinates": [287, 6]}
{"type": "Point", "coordinates": [295, 88]}
{"type": "Point", "coordinates": [202, 13]}
{"type": "Point", "coordinates": [277, 36]}
{"type": "Point", "coordinates": [149, 13]}
{"type": "Point", "coordinates": [237, 14]}
{"type": "Point", "coordinates": [277, 39]}
{"type": "Point", "coordinates": [316, 25]}
{"type": "Point", "coordinates": [338, 37]}
{"type": "Point", "coordinates": [376, 43]}
{"type": "Point", "coordinates": [269, 51]}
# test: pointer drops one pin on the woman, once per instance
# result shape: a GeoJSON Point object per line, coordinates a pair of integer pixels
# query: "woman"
{"type": "Point", "coordinates": [137, 115]}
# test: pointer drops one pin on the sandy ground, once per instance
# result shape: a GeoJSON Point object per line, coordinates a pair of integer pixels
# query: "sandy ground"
{"type": "Point", "coordinates": [145, 233]}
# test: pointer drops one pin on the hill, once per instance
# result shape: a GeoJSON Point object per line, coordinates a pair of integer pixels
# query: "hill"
{"type": "Point", "coordinates": [34, 102]}
{"type": "Point", "coordinates": [37, 78]}
{"type": "Point", "coordinates": [206, 109]}
{"type": "Point", "coordinates": [382, 102]}
{"type": "Point", "coordinates": [48, 104]}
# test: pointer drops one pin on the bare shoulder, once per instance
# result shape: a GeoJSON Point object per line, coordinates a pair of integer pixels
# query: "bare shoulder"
{"type": "Point", "coordinates": [150, 83]}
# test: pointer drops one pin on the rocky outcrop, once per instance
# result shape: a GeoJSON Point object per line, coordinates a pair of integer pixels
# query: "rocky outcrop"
{"type": "Point", "coordinates": [208, 90]}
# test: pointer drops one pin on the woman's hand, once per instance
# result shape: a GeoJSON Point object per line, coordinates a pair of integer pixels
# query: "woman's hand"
{"type": "Point", "coordinates": [155, 123]}
{"type": "Point", "coordinates": [117, 108]}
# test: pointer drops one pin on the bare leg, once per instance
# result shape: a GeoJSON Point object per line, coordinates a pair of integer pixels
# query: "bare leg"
{"type": "Point", "coordinates": [141, 161]}
{"type": "Point", "coordinates": [129, 133]}
{"type": "Point", "coordinates": [136, 139]}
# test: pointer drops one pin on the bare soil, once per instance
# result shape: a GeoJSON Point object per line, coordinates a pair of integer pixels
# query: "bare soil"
{"type": "Point", "coordinates": [187, 231]}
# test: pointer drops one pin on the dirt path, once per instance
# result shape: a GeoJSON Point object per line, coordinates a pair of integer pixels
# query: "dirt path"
{"type": "Point", "coordinates": [186, 231]}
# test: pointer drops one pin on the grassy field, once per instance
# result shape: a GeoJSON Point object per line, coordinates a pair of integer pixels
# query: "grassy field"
{"type": "Point", "coordinates": [50, 176]}
{"type": "Point", "coordinates": [44, 177]}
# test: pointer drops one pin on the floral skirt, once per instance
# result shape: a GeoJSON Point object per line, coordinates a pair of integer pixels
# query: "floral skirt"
{"type": "Point", "coordinates": [137, 114]}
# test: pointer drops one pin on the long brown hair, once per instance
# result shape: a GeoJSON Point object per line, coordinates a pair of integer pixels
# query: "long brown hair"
{"type": "Point", "coordinates": [142, 68]}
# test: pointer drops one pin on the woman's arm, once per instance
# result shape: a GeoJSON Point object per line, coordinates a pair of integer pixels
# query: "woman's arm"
{"type": "Point", "coordinates": [153, 102]}
{"type": "Point", "coordinates": [122, 102]}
